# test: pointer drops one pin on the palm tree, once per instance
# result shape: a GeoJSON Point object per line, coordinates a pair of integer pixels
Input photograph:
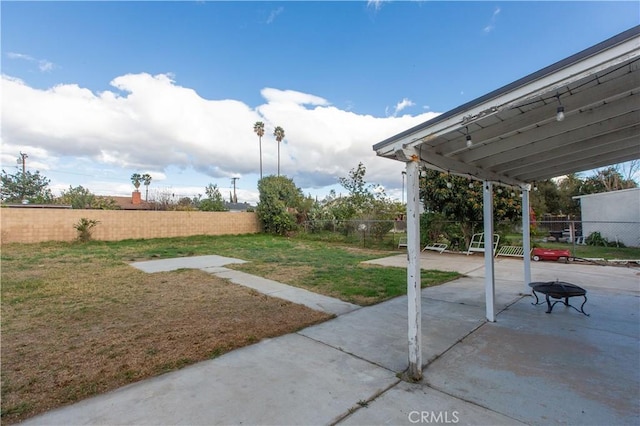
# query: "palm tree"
{"type": "Point", "coordinates": [146, 179]}
{"type": "Point", "coordinates": [279, 134]}
{"type": "Point", "coordinates": [135, 180]}
{"type": "Point", "coordinates": [259, 129]}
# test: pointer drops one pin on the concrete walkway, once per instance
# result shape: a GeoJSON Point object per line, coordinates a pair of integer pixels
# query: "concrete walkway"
{"type": "Point", "coordinates": [527, 368]}
{"type": "Point", "coordinates": [215, 265]}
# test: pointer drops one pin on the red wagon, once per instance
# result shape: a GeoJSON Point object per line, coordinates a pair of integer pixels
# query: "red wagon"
{"type": "Point", "coordinates": [549, 254]}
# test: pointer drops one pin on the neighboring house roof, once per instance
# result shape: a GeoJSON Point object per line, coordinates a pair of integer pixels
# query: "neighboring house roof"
{"type": "Point", "coordinates": [238, 207]}
{"type": "Point", "coordinates": [36, 206]}
{"type": "Point", "coordinates": [600, 194]}
{"type": "Point", "coordinates": [125, 203]}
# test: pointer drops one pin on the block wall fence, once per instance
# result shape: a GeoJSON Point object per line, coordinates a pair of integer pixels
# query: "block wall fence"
{"type": "Point", "coordinates": [33, 225]}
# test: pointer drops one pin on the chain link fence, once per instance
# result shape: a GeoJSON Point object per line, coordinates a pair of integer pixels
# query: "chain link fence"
{"type": "Point", "coordinates": [366, 232]}
{"type": "Point", "coordinates": [590, 238]}
{"type": "Point", "coordinates": [585, 239]}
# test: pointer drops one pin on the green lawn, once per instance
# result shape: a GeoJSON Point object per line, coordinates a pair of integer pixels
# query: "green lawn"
{"type": "Point", "coordinates": [333, 269]}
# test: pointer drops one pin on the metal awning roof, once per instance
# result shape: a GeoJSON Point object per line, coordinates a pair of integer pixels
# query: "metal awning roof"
{"type": "Point", "coordinates": [516, 138]}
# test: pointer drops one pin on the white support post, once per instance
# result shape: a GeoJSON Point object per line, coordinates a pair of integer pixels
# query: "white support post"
{"type": "Point", "coordinates": [526, 237]}
{"type": "Point", "coordinates": [414, 310]}
{"type": "Point", "coordinates": [489, 279]}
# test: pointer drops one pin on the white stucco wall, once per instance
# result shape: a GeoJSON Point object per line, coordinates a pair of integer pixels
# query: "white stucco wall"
{"type": "Point", "coordinates": [615, 214]}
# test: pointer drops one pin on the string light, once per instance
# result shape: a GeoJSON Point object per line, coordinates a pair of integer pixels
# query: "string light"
{"type": "Point", "coordinates": [560, 109]}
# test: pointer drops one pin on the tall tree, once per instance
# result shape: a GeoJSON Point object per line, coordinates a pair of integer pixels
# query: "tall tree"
{"type": "Point", "coordinates": [258, 128]}
{"type": "Point", "coordinates": [25, 187]}
{"type": "Point", "coordinates": [136, 179]}
{"type": "Point", "coordinates": [460, 199]}
{"type": "Point", "coordinates": [214, 201]}
{"type": "Point", "coordinates": [570, 186]}
{"type": "Point", "coordinates": [81, 198]}
{"type": "Point", "coordinates": [605, 180]}
{"type": "Point", "coordinates": [278, 132]}
{"type": "Point", "coordinates": [366, 201]}
{"type": "Point", "coordinates": [78, 197]}
{"type": "Point", "coordinates": [146, 179]}
{"type": "Point", "coordinates": [361, 197]}
{"type": "Point", "coordinates": [545, 198]}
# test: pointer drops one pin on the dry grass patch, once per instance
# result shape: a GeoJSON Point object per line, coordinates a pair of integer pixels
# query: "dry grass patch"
{"type": "Point", "coordinates": [73, 327]}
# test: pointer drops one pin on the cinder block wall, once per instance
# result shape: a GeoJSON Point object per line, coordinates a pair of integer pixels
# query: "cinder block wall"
{"type": "Point", "coordinates": [32, 225]}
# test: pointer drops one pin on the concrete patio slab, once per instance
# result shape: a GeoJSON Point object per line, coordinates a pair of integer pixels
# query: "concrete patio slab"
{"type": "Point", "coordinates": [440, 261]}
{"type": "Point", "coordinates": [559, 368]}
{"type": "Point", "coordinates": [379, 333]}
{"type": "Point", "coordinates": [470, 290]}
{"type": "Point", "coordinates": [411, 404]}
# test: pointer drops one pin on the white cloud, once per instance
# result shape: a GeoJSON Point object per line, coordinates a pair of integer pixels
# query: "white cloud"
{"type": "Point", "coordinates": [291, 96]}
{"type": "Point", "coordinates": [403, 104]}
{"type": "Point", "coordinates": [375, 4]}
{"type": "Point", "coordinates": [399, 107]}
{"type": "Point", "coordinates": [274, 13]}
{"type": "Point", "coordinates": [492, 23]}
{"type": "Point", "coordinates": [13, 55]}
{"type": "Point", "coordinates": [151, 124]}
{"type": "Point", "coordinates": [43, 64]}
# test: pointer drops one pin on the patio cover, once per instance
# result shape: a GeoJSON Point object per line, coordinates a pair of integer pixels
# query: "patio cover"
{"type": "Point", "coordinates": [516, 139]}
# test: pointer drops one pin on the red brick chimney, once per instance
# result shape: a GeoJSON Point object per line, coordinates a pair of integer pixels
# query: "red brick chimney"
{"type": "Point", "coordinates": [135, 197]}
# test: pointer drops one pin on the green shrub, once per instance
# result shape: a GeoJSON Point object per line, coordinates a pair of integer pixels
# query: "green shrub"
{"type": "Point", "coordinates": [595, 239]}
{"type": "Point", "coordinates": [84, 227]}
{"type": "Point", "coordinates": [279, 203]}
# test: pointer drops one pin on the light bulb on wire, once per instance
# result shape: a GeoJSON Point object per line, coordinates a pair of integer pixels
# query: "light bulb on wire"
{"type": "Point", "coordinates": [560, 109]}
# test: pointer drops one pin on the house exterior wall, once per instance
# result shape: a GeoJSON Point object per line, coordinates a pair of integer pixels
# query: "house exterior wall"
{"type": "Point", "coordinates": [615, 215]}
{"type": "Point", "coordinates": [32, 225]}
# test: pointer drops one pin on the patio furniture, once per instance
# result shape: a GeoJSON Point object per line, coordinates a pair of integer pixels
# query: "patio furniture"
{"type": "Point", "coordinates": [402, 242]}
{"type": "Point", "coordinates": [436, 247]}
{"type": "Point", "coordinates": [512, 251]}
{"type": "Point", "coordinates": [477, 243]}
{"type": "Point", "coordinates": [558, 290]}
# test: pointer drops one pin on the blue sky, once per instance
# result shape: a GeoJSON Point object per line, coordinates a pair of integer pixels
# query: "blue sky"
{"type": "Point", "coordinates": [95, 91]}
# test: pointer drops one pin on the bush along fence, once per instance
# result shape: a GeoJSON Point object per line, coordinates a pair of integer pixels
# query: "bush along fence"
{"type": "Point", "coordinates": [365, 232]}
{"type": "Point", "coordinates": [585, 239]}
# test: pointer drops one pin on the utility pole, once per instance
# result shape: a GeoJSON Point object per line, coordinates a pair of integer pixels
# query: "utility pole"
{"type": "Point", "coordinates": [22, 160]}
{"type": "Point", "coordinates": [233, 181]}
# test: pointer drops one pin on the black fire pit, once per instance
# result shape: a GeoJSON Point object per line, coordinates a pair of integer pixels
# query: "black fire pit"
{"type": "Point", "coordinates": [558, 290]}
